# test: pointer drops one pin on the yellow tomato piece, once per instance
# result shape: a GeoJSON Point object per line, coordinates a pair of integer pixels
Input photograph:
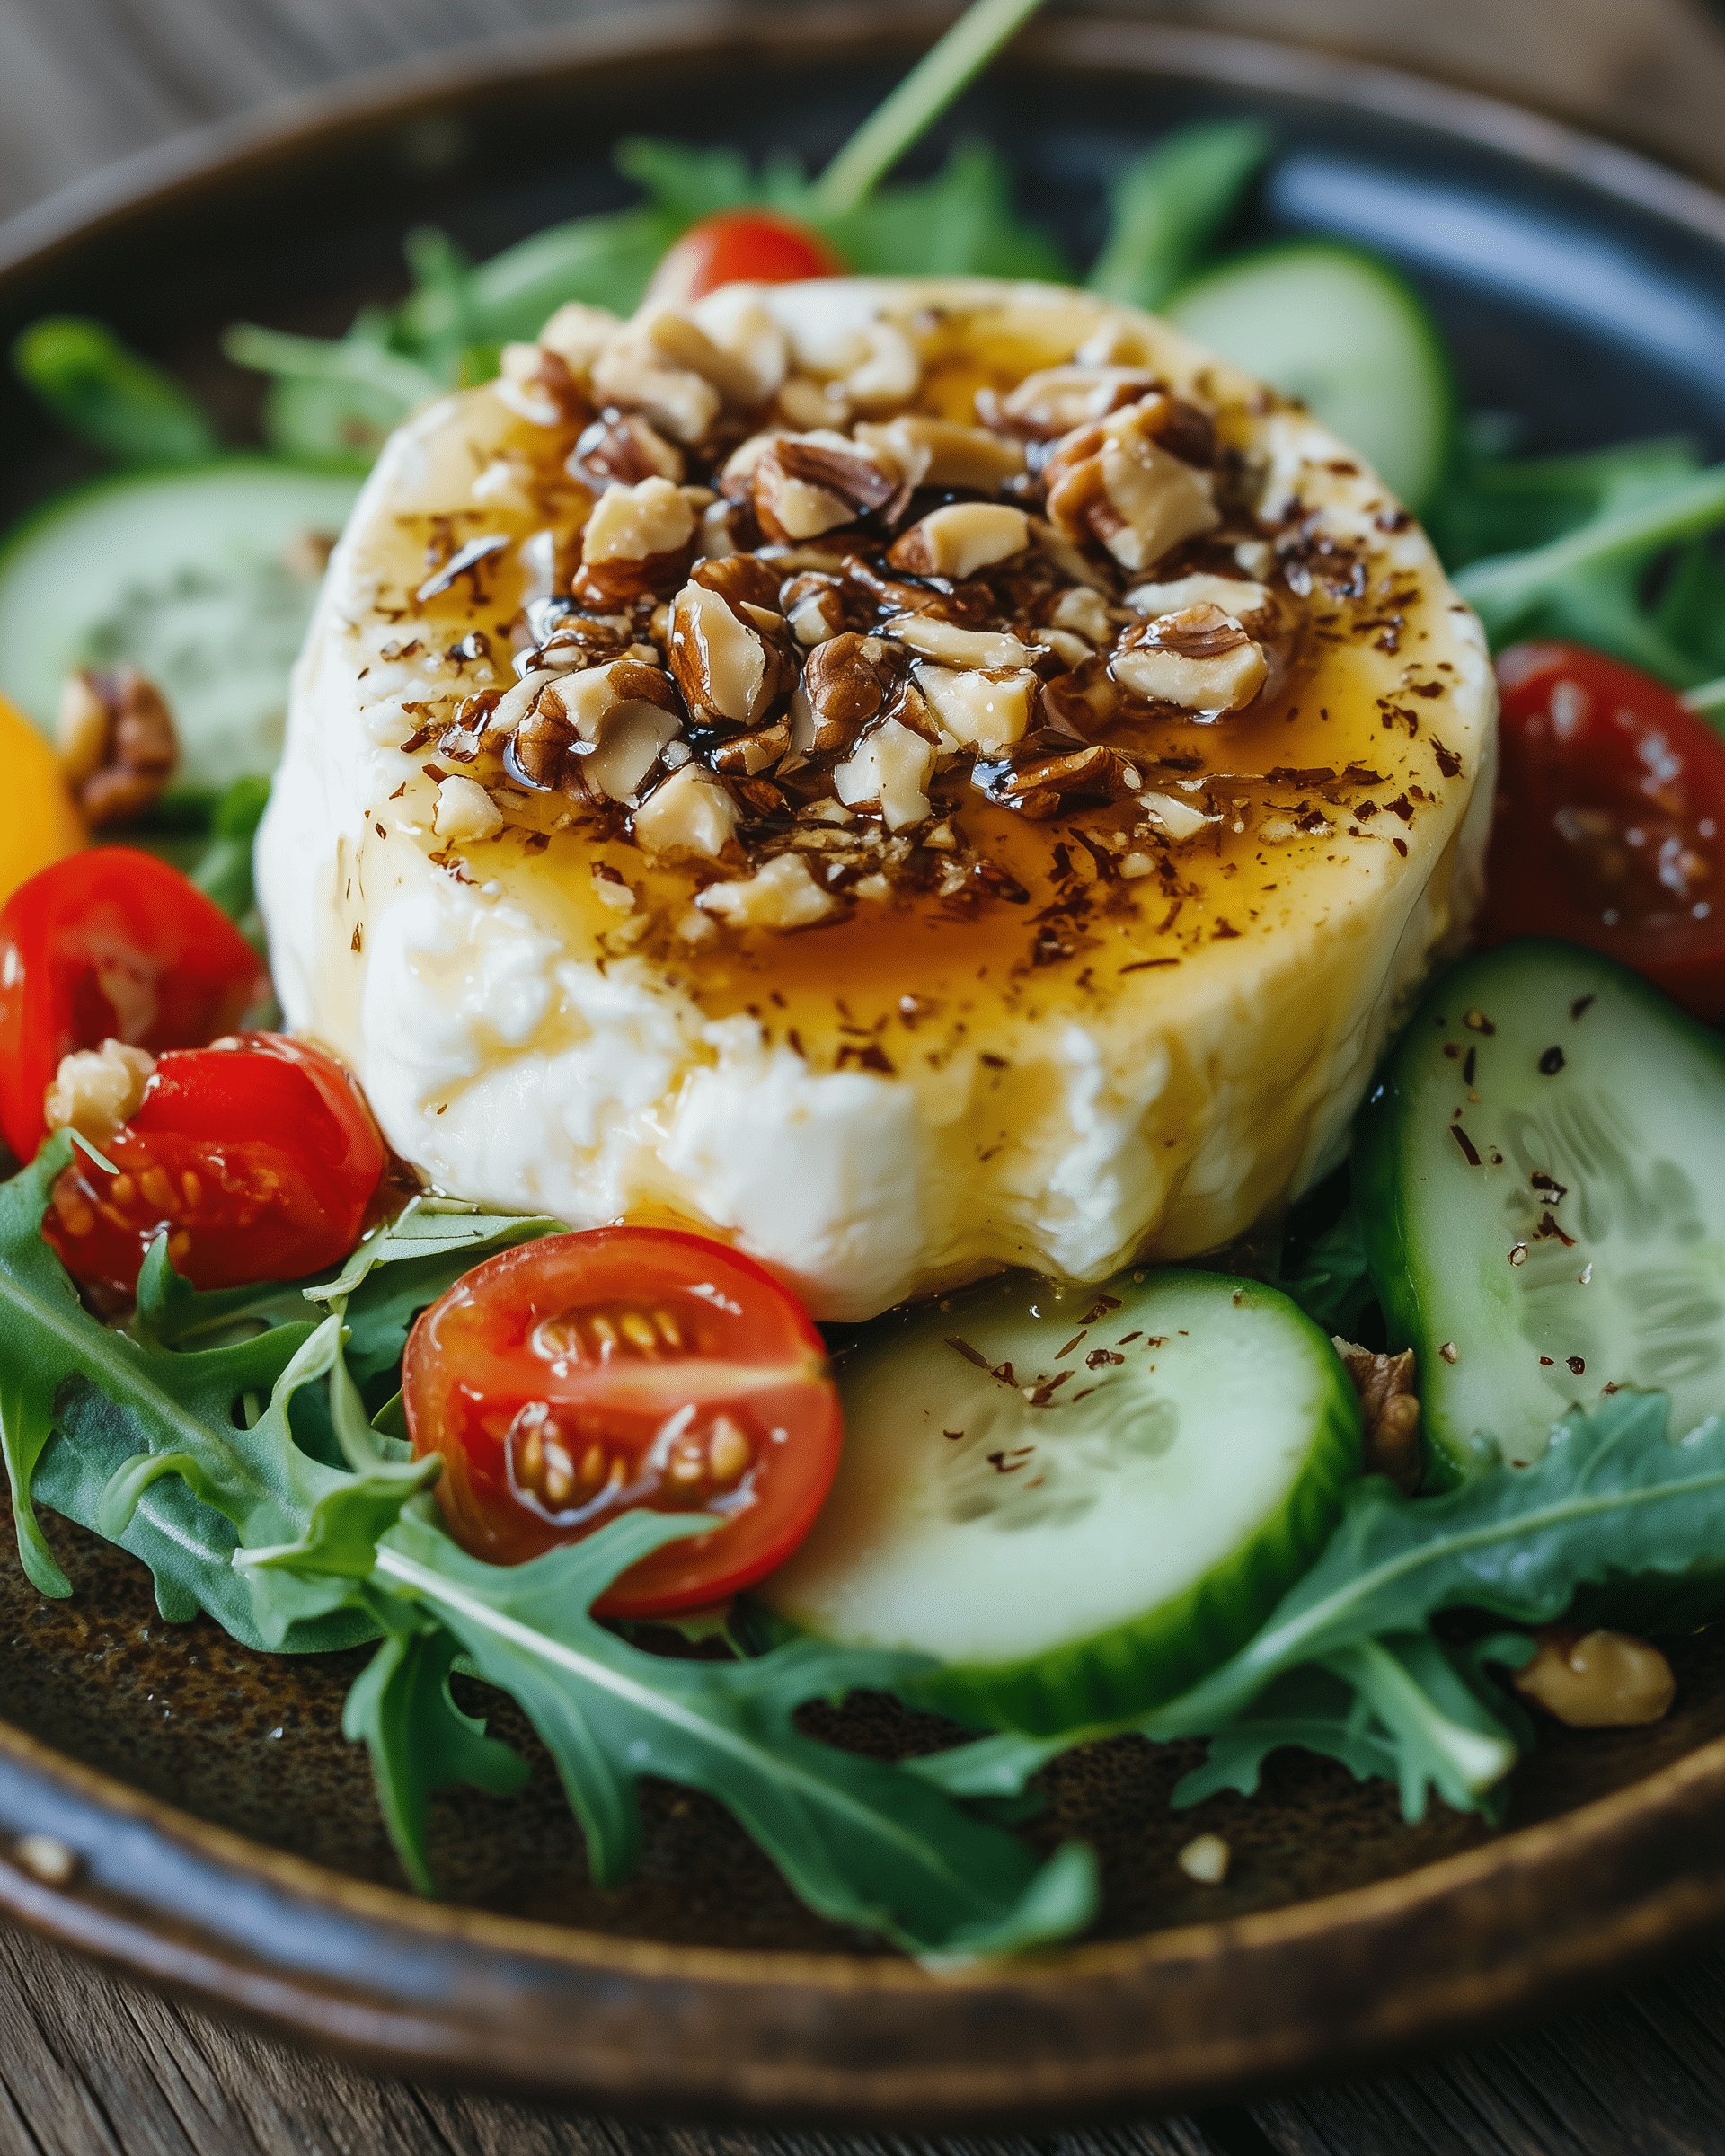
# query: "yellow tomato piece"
{"type": "Point", "coordinates": [42, 824]}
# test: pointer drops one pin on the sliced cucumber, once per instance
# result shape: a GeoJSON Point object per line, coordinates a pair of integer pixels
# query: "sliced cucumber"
{"type": "Point", "coordinates": [1079, 1499]}
{"type": "Point", "coordinates": [1348, 336]}
{"type": "Point", "coordinates": [201, 577]}
{"type": "Point", "coordinates": [1541, 1174]}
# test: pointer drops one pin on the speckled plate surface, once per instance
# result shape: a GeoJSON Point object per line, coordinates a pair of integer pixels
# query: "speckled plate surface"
{"type": "Point", "coordinates": [226, 1836]}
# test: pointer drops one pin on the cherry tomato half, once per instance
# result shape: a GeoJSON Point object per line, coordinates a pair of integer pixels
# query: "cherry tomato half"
{"type": "Point", "coordinates": [112, 943]}
{"type": "Point", "coordinates": [741, 247]}
{"type": "Point", "coordinates": [257, 1154]}
{"type": "Point", "coordinates": [568, 1381]}
{"type": "Point", "coordinates": [1611, 807]}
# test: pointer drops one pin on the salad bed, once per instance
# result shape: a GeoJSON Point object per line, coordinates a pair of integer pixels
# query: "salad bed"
{"type": "Point", "coordinates": [1365, 1678]}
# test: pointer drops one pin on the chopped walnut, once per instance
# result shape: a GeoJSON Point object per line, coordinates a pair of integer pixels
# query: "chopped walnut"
{"type": "Point", "coordinates": [814, 605]}
{"type": "Point", "coordinates": [1596, 1680]}
{"type": "Point", "coordinates": [538, 383]}
{"type": "Point", "coordinates": [988, 712]}
{"type": "Point", "coordinates": [742, 329]}
{"type": "Point", "coordinates": [1248, 603]}
{"type": "Point", "coordinates": [1135, 480]}
{"type": "Point", "coordinates": [465, 813]}
{"type": "Point", "coordinates": [890, 771]}
{"type": "Point", "coordinates": [1041, 784]}
{"type": "Point", "coordinates": [648, 367]}
{"type": "Point", "coordinates": [578, 334]}
{"type": "Point", "coordinates": [875, 363]}
{"type": "Point", "coordinates": [626, 448]}
{"type": "Point", "coordinates": [729, 670]}
{"type": "Point", "coordinates": [960, 539]}
{"type": "Point", "coordinates": [1390, 1412]}
{"type": "Point", "coordinates": [846, 681]}
{"type": "Point", "coordinates": [1177, 818]}
{"type": "Point", "coordinates": [1199, 658]}
{"type": "Point", "coordinates": [944, 453]}
{"type": "Point", "coordinates": [804, 485]}
{"type": "Point", "coordinates": [781, 895]}
{"type": "Point", "coordinates": [118, 745]}
{"type": "Point", "coordinates": [96, 1089]}
{"type": "Point", "coordinates": [638, 540]}
{"type": "Point", "coordinates": [950, 646]}
{"type": "Point", "coordinates": [1056, 399]}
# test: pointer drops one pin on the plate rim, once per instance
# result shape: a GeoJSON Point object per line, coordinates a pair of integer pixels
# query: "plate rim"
{"type": "Point", "coordinates": [220, 1969]}
{"type": "Point", "coordinates": [152, 178]}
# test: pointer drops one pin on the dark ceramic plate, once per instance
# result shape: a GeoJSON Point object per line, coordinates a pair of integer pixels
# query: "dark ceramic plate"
{"type": "Point", "coordinates": [227, 1837]}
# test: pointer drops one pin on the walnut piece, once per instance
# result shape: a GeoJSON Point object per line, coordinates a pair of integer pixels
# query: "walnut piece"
{"type": "Point", "coordinates": [988, 712]}
{"type": "Point", "coordinates": [960, 539]}
{"type": "Point", "coordinates": [1128, 482]}
{"type": "Point", "coordinates": [96, 1089]}
{"type": "Point", "coordinates": [1596, 1680]}
{"type": "Point", "coordinates": [805, 484]}
{"type": "Point", "coordinates": [465, 813]}
{"type": "Point", "coordinates": [944, 453]}
{"type": "Point", "coordinates": [1199, 659]}
{"type": "Point", "coordinates": [1390, 1412]}
{"type": "Point", "coordinates": [689, 813]}
{"type": "Point", "coordinates": [118, 746]}
{"type": "Point", "coordinates": [781, 895]}
{"type": "Point", "coordinates": [1055, 398]}
{"type": "Point", "coordinates": [728, 670]}
{"type": "Point", "coordinates": [637, 541]}
{"type": "Point", "coordinates": [890, 770]}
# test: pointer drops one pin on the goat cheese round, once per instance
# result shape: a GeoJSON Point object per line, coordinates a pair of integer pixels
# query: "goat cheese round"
{"type": "Point", "coordinates": [911, 776]}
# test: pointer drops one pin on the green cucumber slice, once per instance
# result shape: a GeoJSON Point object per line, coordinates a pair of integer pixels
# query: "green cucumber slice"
{"type": "Point", "coordinates": [1078, 1499]}
{"type": "Point", "coordinates": [1348, 336]}
{"type": "Point", "coordinates": [188, 575]}
{"type": "Point", "coordinates": [1541, 1176]}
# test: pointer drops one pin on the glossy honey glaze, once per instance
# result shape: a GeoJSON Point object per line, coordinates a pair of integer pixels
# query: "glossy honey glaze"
{"type": "Point", "coordinates": [1314, 795]}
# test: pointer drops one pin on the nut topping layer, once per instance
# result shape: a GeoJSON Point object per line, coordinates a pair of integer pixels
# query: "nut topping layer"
{"type": "Point", "coordinates": [768, 595]}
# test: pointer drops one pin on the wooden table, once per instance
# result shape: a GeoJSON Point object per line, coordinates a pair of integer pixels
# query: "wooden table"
{"type": "Point", "coordinates": [89, 2067]}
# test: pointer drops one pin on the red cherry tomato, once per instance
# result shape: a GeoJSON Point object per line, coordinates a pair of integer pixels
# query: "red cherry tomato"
{"type": "Point", "coordinates": [1611, 807]}
{"type": "Point", "coordinates": [257, 1154]}
{"type": "Point", "coordinates": [741, 247]}
{"type": "Point", "coordinates": [568, 1381]}
{"type": "Point", "coordinates": [110, 943]}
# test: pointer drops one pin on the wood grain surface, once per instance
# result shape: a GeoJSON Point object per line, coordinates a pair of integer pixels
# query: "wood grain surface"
{"type": "Point", "coordinates": [90, 2067]}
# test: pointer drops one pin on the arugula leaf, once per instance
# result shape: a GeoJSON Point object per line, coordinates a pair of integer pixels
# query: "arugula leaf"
{"type": "Point", "coordinates": [404, 1268]}
{"type": "Point", "coordinates": [1167, 206]}
{"type": "Point", "coordinates": [335, 400]}
{"type": "Point", "coordinates": [1332, 1282]}
{"type": "Point", "coordinates": [1587, 581]}
{"type": "Point", "coordinates": [685, 181]}
{"type": "Point", "coordinates": [960, 223]}
{"type": "Point", "coordinates": [401, 1707]}
{"type": "Point", "coordinates": [111, 396]}
{"type": "Point", "coordinates": [1613, 1502]}
{"type": "Point", "coordinates": [224, 873]}
{"type": "Point", "coordinates": [50, 1347]}
{"type": "Point", "coordinates": [862, 1842]}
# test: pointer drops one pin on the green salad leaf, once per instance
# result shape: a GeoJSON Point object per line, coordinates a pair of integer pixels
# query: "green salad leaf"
{"type": "Point", "coordinates": [222, 1438]}
{"type": "Point", "coordinates": [857, 1838]}
{"type": "Point", "coordinates": [1569, 546]}
{"type": "Point", "coordinates": [111, 396]}
{"type": "Point", "coordinates": [1168, 206]}
{"type": "Point", "coordinates": [1347, 1661]}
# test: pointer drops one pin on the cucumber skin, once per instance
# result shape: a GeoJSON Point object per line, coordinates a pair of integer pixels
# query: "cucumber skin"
{"type": "Point", "coordinates": [1380, 1193]}
{"type": "Point", "coordinates": [1130, 1668]}
{"type": "Point", "coordinates": [1276, 252]}
{"type": "Point", "coordinates": [1134, 1667]}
